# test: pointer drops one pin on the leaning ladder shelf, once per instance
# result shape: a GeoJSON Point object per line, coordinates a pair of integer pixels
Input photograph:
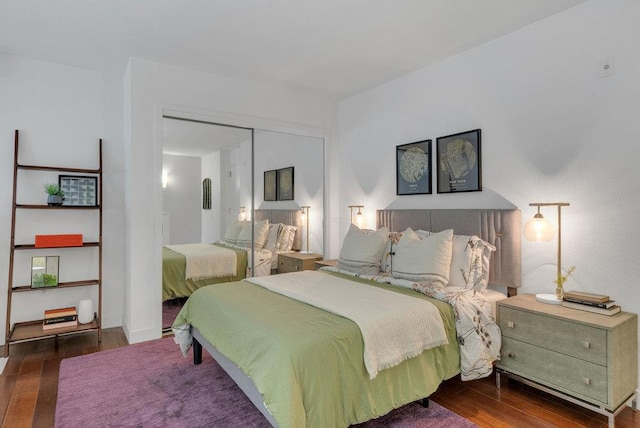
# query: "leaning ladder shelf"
{"type": "Point", "coordinates": [32, 330]}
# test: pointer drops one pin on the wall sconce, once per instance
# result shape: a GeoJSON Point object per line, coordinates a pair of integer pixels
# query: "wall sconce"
{"type": "Point", "coordinates": [359, 217]}
{"type": "Point", "coordinates": [305, 219]}
{"type": "Point", "coordinates": [165, 178]}
{"type": "Point", "coordinates": [540, 229]}
{"type": "Point", "coordinates": [242, 216]}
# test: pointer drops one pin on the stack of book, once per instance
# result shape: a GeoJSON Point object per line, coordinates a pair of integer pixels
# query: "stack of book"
{"type": "Point", "coordinates": [596, 303]}
{"type": "Point", "coordinates": [59, 318]}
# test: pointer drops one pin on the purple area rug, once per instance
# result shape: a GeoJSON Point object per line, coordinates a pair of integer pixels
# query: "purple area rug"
{"type": "Point", "coordinates": [151, 384]}
{"type": "Point", "coordinates": [170, 310]}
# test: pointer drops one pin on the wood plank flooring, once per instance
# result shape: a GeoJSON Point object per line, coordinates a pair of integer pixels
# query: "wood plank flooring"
{"type": "Point", "coordinates": [29, 387]}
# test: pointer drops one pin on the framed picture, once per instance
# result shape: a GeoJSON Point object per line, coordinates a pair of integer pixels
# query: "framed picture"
{"type": "Point", "coordinates": [413, 168]}
{"type": "Point", "coordinates": [44, 271]}
{"type": "Point", "coordinates": [285, 184]}
{"type": "Point", "coordinates": [79, 190]}
{"type": "Point", "coordinates": [270, 185]}
{"type": "Point", "coordinates": [459, 162]}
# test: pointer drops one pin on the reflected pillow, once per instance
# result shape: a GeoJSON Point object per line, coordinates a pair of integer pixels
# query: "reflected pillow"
{"type": "Point", "coordinates": [423, 259]}
{"type": "Point", "coordinates": [362, 250]}
{"type": "Point", "coordinates": [285, 238]}
{"type": "Point", "coordinates": [233, 230]}
{"type": "Point", "coordinates": [260, 232]}
{"type": "Point", "coordinates": [272, 237]}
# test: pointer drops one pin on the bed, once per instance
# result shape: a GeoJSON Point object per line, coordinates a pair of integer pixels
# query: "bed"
{"type": "Point", "coordinates": [303, 366]}
{"type": "Point", "coordinates": [176, 283]}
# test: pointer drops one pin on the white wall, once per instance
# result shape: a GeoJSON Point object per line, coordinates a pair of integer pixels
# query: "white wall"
{"type": "Point", "coordinates": [183, 197]}
{"type": "Point", "coordinates": [552, 130]}
{"type": "Point", "coordinates": [61, 113]}
{"type": "Point", "coordinates": [150, 90]}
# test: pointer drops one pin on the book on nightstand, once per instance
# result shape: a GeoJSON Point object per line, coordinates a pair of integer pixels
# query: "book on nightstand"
{"type": "Point", "coordinates": [583, 295]}
{"type": "Point", "coordinates": [604, 311]}
{"type": "Point", "coordinates": [604, 305]}
{"type": "Point", "coordinates": [73, 323]}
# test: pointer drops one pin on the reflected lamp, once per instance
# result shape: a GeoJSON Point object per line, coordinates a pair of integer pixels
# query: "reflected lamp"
{"type": "Point", "coordinates": [359, 217]}
{"type": "Point", "coordinates": [305, 219]}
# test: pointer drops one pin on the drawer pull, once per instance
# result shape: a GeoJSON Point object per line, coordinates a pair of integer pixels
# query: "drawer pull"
{"type": "Point", "coordinates": [511, 355]}
{"type": "Point", "coordinates": [297, 267]}
{"type": "Point", "coordinates": [586, 380]}
{"type": "Point", "coordinates": [586, 344]}
{"type": "Point", "coordinates": [511, 324]}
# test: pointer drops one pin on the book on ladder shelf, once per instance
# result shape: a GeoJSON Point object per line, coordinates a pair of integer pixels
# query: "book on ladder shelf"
{"type": "Point", "coordinates": [59, 318]}
{"type": "Point", "coordinates": [591, 302]}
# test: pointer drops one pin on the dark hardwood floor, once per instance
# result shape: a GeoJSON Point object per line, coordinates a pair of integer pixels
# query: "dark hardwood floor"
{"type": "Point", "coordinates": [29, 387]}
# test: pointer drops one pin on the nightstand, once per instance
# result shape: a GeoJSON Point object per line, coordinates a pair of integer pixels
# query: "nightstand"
{"type": "Point", "coordinates": [588, 359]}
{"type": "Point", "coordinates": [323, 263]}
{"type": "Point", "coordinates": [294, 262]}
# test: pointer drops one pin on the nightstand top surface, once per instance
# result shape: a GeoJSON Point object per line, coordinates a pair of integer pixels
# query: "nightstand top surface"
{"type": "Point", "coordinates": [529, 303]}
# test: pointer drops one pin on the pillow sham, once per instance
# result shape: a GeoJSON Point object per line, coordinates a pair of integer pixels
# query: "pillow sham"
{"type": "Point", "coordinates": [260, 232]}
{"type": "Point", "coordinates": [470, 258]}
{"type": "Point", "coordinates": [362, 250]}
{"type": "Point", "coordinates": [425, 258]}
{"type": "Point", "coordinates": [286, 237]}
{"type": "Point", "coordinates": [272, 238]}
{"type": "Point", "coordinates": [232, 232]}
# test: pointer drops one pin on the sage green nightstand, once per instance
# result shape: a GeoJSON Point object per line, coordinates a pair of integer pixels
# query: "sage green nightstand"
{"type": "Point", "coordinates": [585, 358]}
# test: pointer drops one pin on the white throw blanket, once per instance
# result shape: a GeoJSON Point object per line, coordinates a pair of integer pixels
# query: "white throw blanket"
{"type": "Point", "coordinates": [394, 327]}
{"type": "Point", "coordinates": [206, 260]}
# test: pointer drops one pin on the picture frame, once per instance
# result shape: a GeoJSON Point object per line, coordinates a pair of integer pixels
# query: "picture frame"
{"type": "Point", "coordinates": [270, 185]}
{"type": "Point", "coordinates": [459, 162]}
{"type": "Point", "coordinates": [285, 184]}
{"type": "Point", "coordinates": [79, 190]}
{"type": "Point", "coordinates": [44, 271]}
{"type": "Point", "coordinates": [413, 168]}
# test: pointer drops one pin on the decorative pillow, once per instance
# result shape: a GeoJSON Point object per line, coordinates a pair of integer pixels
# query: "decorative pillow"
{"type": "Point", "coordinates": [470, 258]}
{"type": "Point", "coordinates": [362, 250]}
{"type": "Point", "coordinates": [272, 238]}
{"type": "Point", "coordinates": [285, 238]}
{"type": "Point", "coordinates": [233, 230]}
{"type": "Point", "coordinates": [260, 232]}
{"type": "Point", "coordinates": [423, 258]}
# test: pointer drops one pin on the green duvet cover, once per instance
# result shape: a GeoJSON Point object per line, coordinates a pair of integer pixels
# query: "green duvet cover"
{"type": "Point", "coordinates": [175, 285]}
{"type": "Point", "coordinates": [308, 363]}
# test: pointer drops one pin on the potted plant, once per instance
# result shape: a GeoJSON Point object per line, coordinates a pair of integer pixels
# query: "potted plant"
{"type": "Point", "coordinates": [56, 195]}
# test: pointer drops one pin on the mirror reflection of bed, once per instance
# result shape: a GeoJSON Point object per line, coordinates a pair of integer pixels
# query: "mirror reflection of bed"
{"type": "Point", "coordinates": [312, 365]}
{"type": "Point", "coordinates": [195, 222]}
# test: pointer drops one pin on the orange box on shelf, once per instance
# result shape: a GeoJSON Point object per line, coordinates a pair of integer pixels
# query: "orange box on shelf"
{"type": "Point", "coordinates": [68, 240]}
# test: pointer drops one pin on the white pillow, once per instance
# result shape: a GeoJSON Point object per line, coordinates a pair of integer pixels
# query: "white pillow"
{"type": "Point", "coordinates": [260, 232]}
{"type": "Point", "coordinates": [362, 250]}
{"type": "Point", "coordinates": [285, 238]}
{"type": "Point", "coordinates": [272, 238]}
{"type": "Point", "coordinates": [233, 230]}
{"type": "Point", "coordinates": [423, 259]}
{"type": "Point", "coordinates": [470, 258]}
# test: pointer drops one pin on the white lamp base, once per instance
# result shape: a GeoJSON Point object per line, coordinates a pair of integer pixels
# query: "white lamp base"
{"type": "Point", "coordinates": [548, 298]}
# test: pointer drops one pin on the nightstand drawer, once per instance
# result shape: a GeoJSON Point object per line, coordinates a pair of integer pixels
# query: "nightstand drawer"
{"type": "Point", "coordinates": [561, 371]}
{"type": "Point", "coordinates": [287, 264]}
{"type": "Point", "coordinates": [566, 337]}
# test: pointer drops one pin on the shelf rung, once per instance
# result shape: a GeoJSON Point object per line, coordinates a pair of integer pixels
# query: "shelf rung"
{"type": "Point", "coordinates": [60, 168]}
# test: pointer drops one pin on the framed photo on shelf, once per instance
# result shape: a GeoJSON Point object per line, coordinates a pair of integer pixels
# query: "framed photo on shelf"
{"type": "Point", "coordinates": [413, 168]}
{"type": "Point", "coordinates": [270, 185]}
{"type": "Point", "coordinates": [44, 271]}
{"type": "Point", "coordinates": [459, 162]}
{"type": "Point", "coordinates": [79, 190]}
{"type": "Point", "coordinates": [285, 184]}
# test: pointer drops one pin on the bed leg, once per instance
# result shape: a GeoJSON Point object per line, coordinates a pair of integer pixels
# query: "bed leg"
{"type": "Point", "coordinates": [197, 352]}
{"type": "Point", "coordinates": [425, 402]}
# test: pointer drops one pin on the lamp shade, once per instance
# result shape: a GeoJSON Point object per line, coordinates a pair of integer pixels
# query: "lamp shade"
{"type": "Point", "coordinates": [538, 229]}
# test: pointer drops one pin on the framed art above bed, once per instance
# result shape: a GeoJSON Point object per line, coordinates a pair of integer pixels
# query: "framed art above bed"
{"type": "Point", "coordinates": [459, 162]}
{"type": "Point", "coordinates": [413, 168]}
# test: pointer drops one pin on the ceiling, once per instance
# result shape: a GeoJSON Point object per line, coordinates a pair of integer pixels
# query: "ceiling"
{"type": "Point", "coordinates": [197, 139]}
{"type": "Point", "coordinates": [336, 47]}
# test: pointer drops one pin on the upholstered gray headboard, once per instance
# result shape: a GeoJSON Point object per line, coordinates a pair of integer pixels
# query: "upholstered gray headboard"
{"type": "Point", "coordinates": [499, 227]}
{"type": "Point", "coordinates": [292, 217]}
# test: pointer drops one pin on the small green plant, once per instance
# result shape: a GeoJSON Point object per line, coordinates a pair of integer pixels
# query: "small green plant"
{"type": "Point", "coordinates": [562, 278]}
{"type": "Point", "coordinates": [53, 189]}
{"type": "Point", "coordinates": [45, 280]}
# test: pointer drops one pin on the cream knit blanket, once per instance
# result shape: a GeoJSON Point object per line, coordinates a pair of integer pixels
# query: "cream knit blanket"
{"type": "Point", "coordinates": [394, 327]}
{"type": "Point", "coordinates": [206, 260]}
